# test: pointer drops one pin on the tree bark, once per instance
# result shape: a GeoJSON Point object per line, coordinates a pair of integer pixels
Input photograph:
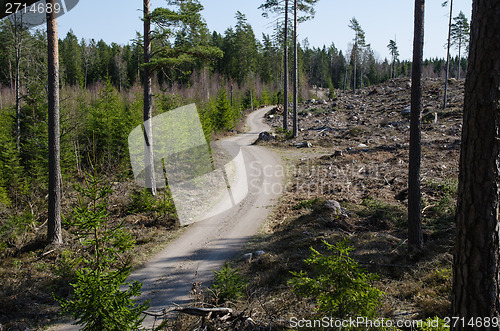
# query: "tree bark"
{"type": "Point", "coordinates": [295, 83]}
{"type": "Point", "coordinates": [355, 50]}
{"type": "Point", "coordinates": [18, 87]}
{"type": "Point", "coordinates": [459, 57]}
{"type": "Point", "coordinates": [448, 58]}
{"type": "Point", "coordinates": [285, 71]}
{"type": "Point", "coordinates": [54, 231]}
{"type": "Point", "coordinates": [345, 77]}
{"type": "Point", "coordinates": [414, 208]}
{"type": "Point", "coordinates": [10, 75]}
{"type": "Point", "coordinates": [17, 34]}
{"type": "Point", "coordinates": [148, 100]}
{"type": "Point", "coordinates": [476, 277]}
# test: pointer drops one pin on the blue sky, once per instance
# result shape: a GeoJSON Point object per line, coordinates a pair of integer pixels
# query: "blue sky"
{"type": "Point", "coordinates": [117, 21]}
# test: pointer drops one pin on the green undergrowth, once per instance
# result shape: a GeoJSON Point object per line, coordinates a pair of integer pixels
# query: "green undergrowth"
{"type": "Point", "coordinates": [337, 284]}
{"type": "Point", "coordinates": [310, 271]}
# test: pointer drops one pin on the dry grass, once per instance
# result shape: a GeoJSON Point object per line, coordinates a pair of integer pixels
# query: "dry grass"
{"type": "Point", "coordinates": [31, 272]}
{"type": "Point", "coordinates": [370, 184]}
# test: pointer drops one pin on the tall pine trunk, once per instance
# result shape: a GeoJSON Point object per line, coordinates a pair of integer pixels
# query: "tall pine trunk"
{"type": "Point", "coordinates": [414, 207]}
{"type": "Point", "coordinates": [459, 56]}
{"type": "Point", "coordinates": [54, 232]}
{"type": "Point", "coordinates": [10, 75]}
{"type": "Point", "coordinates": [355, 50]}
{"type": "Point", "coordinates": [148, 106]}
{"type": "Point", "coordinates": [17, 33]}
{"type": "Point", "coordinates": [361, 76]}
{"type": "Point", "coordinates": [448, 57]}
{"type": "Point", "coordinates": [17, 91]}
{"type": "Point", "coordinates": [285, 71]}
{"type": "Point", "coordinates": [476, 277]}
{"type": "Point", "coordinates": [345, 77]}
{"type": "Point", "coordinates": [295, 78]}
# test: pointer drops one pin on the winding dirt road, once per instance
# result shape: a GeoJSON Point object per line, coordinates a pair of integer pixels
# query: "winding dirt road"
{"type": "Point", "coordinates": [204, 246]}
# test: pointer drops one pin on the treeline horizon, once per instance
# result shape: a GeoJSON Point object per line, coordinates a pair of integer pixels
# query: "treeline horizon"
{"type": "Point", "coordinates": [246, 60]}
{"type": "Point", "coordinates": [102, 99]}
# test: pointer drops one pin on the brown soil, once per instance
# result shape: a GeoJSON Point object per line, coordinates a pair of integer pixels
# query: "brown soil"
{"type": "Point", "coordinates": [359, 157]}
{"type": "Point", "coordinates": [32, 271]}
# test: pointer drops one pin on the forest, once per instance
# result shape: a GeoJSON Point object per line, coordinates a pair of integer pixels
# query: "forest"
{"type": "Point", "coordinates": [100, 85]}
{"type": "Point", "coordinates": [227, 74]}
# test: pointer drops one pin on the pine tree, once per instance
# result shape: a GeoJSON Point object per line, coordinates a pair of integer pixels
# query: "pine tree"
{"type": "Point", "coordinates": [191, 44]}
{"type": "Point", "coordinates": [477, 251]}
{"type": "Point", "coordinates": [71, 60]}
{"type": "Point", "coordinates": [444, 4]}
{"type": "Point", "coordinates": [223, 111]}
{"type": "Point", "coordinates": [359, 43]}
{"type": "Point", "coordinates": [148, 105]}
{"type": "Point", "coordinates": [54, 231]}
{"type": "Point", "coordinates": [99, 301]}
{"type": "Point", "coordinates": [281, 7]}
{"type": "Point", "coordinates": [460, 36]}
{"type": "Point", "coordinates": [393, 48]}
{"type": "Point", "coordinates": [187, 27]}
{"type": "Point", "coordinates": [415, 238]}
{"type": "Point", "coordinates": [246, 48]}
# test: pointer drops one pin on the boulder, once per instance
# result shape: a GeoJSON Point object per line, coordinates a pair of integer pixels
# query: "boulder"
{"type": "Point", "coordinates": [430, 118]}
{"type": "Point", "coordinates": [247, 257]}
{"type": "Point", "coordinates": [266, 136]}
{"type": "Point", "coordinates": [335, 207]}
{"type": "Point", "coordinates": [259, 253]}
{"type": "Point", "coordinates": [337, 153]}
{"type": "Point", "coordinates": [304, 144]}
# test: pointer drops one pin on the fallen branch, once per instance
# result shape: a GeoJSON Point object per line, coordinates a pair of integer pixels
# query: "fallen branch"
{"type": "Point", "coordinates": [204, 312]}
{"type": "Point", "coordinates": [220, 314]}
{"type": "Point", "coordinates": [427, 207]}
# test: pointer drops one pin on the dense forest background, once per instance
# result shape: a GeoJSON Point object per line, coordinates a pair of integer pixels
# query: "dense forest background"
{"type": "Point", "coordinates": [101, 95]}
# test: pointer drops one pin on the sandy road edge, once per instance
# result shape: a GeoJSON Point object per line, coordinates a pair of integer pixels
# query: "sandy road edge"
{"type": "Point", "coordinates": [208, 244]}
